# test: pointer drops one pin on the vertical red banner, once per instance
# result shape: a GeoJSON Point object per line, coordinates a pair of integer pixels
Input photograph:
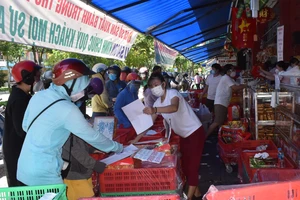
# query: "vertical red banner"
{"type": "Point", "coordinates": [243, 30]}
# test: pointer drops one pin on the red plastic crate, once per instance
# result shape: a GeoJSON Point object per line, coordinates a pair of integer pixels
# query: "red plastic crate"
{"type": "Point", "coordinates": [124, 135]}
{"type": "Point", "coordinates": [278, 175]}
{"type": "Point", "coordinates": [138, 180]}
{"type": "Point", "coordinates": [251, 171]}
{"type": "Point", "coordinates": [151, 197]}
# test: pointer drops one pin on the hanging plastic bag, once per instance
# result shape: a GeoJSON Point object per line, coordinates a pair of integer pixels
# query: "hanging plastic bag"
{"type": "Point", "coordinates": [204, 114]}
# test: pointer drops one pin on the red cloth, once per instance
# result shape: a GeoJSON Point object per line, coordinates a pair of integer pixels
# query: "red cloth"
{"type": "Point", "coordinates": [191, 149]}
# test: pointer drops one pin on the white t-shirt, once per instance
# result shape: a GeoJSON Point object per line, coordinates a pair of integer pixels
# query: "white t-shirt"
{"type": "Point", "coordinates": [184, 122]}
{"type": "Point", "coordinates": [212, 82]}
{"type": "Point", "coordinates": [224, 92]}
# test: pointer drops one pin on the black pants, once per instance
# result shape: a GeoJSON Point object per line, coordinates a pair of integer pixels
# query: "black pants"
{"type": "Point", "coordinates": [198, 86]}
{"type": "Point", "coordinates": [210, 105]}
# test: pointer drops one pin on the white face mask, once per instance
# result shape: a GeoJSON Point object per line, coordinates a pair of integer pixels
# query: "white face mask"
{"type": "Point", "coordinates": [77, 96]}
{"type": "Point", "coordinates": [233, 74]}
{"type": "Point", "coordinates": [277, 71]}
{"type": "Point", "coordinates": [158, 91]}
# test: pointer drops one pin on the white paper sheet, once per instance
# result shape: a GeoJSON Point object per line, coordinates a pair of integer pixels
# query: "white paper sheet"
{"type": "Point", "coordinates": [48, 196]}
{"type": "Point", "coordinates": [139, 120]}
{"type": "Point", "coordinates": [128, 151]}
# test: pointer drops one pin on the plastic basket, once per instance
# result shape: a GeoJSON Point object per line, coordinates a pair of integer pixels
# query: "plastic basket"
{"type": "Point", "coordinates": [278, 175]}
{"type": "Point", "coordinates": [138, 180]}
{"type": "Point", "coordinates": [251, 171]}
{"type": "Point", "coordinates": [151, 197]}
{"type": "Point", "coordinates": [33, 192]}
{"type": "Point", "coordinates": [123, 135]}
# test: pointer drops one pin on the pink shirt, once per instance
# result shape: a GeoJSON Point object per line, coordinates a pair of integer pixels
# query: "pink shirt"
{"type": "Point", "coordinates": [197, 79]}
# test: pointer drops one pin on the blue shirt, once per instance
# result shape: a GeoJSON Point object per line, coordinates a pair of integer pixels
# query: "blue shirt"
{"type": "Point", "coordinates": [114, 89]}
{"type": "Point", "coordinates": [124, 98]}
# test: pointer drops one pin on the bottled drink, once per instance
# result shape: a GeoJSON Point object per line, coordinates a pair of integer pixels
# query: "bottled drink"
{"type": "Point", "coordinates": [280, 158]}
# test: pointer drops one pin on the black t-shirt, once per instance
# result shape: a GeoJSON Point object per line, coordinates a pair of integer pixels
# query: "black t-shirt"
{"type": "Point", "coordinates": [13, 132]}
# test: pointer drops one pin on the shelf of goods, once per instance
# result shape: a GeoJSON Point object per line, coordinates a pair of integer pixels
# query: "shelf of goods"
{"type": "Point", "coordinates": [287, 125]}
{"type": "Point", "coordinates": [263, 115]}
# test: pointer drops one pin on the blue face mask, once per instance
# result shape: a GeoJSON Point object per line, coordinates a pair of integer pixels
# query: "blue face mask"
{"type": "Point", "coordinates": [112, 77]}
{"type": "Point", "coordinates": [212, 71]}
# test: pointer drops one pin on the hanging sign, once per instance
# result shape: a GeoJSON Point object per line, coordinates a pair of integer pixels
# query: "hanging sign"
{"type": "Point", "coordinates": [164, 55]}
{"type": "Point", "coordinates": [68, 25]}
{"type": "Point", "coordinates": [280, 42]}
{"type": "Point", "coordinates": [265, 15]}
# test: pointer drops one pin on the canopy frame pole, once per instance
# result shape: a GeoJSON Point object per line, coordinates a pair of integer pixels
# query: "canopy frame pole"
{"type": "Point", "coordinates": [207, 50]}
{"type": "Point", "coordinates": [202, 32]}
{"type": "Point", "coordinates": [204, 58]}
{"type": "Point", "coordinates": [186, 10]}
{"type": "Point", "coordinates": [192, 22]}
{"type": "Point", "coordinates": [126, 6]}
{"type": "Point", "coordinates": [212, 53]}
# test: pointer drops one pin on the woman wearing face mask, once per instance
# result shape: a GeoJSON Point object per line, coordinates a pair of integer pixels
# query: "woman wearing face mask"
{"type": "Point", "coordinates": [212, 83]}
{"type": "Point", "coordinates": [114, 86]}
{"type": "Point", "coordinates": [281, 67]}
{"type": "Point", "coordinates": [223, 96]}
{"type": "Point", "coordinates": [184, 122]}
{"type": "Point", "coordinates": [125, 97]}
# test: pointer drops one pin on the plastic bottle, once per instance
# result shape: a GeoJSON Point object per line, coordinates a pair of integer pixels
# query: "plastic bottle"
{"type": "Point", "coordinates": [280, 158]}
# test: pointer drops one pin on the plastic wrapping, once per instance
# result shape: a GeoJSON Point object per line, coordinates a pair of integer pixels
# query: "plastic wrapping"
{"type": "Point", "coordinates": [255, 191]}
{"type": "Point", "coordinates": [151, 197]}
{"type": "Point", "coordinates": [145, 176]}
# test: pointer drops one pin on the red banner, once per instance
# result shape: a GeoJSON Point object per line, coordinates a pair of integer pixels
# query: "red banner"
{"type": "Point", "coordinates": [243, 30]}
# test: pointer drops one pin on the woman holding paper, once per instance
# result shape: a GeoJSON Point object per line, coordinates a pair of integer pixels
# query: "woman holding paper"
{"type": "Point", "coordinates": [184, 122]}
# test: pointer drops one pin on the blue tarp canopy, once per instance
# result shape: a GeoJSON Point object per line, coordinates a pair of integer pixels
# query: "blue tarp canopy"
{"type": "Point", "coordinates": [180, 24]}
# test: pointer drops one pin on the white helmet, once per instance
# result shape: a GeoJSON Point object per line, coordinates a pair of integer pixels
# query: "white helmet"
{"type": "Point", "coordinates": [143, 70]}
{"type": "Point", "coordinates": [99, 67]}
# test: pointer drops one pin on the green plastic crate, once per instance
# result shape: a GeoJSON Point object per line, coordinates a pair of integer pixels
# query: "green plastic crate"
{"type": "Point", "coordinates": [123, 194]}
{"type": "Point", "coordinates": [33, 192]}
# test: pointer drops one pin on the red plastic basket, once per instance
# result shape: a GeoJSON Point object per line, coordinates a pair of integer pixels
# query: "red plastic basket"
{"type": "Point", "coordinates": [151, 197]}
{"type": "Point", "coordinates": [138, 180]}
{"type": "Point", "coordinates": [251, 171]}
{"type": "Point", "coordinates": [124, 135]}
{"type": "Point", "coordinates": [278, 175]}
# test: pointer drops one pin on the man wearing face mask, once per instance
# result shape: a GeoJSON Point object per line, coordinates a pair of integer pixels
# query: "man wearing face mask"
{"type": "Point", "coordinates": [23, 73]}
{"type": "Point", "coordinates": [223, 96]}
{"type": "Point", "coordinates": [101, 103]}
{"type": "Point", "coordinates": [114, 86]}
{"type": "Point", "coordinates": [125, 97]}
{"type": "Point", "coordinates": [212, 83]}
{"type": "Point", "coordinates": [50, 118]}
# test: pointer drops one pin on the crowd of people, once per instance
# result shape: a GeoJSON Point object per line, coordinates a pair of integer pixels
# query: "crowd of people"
{"type": "Point", "coordinates": [48, 136]}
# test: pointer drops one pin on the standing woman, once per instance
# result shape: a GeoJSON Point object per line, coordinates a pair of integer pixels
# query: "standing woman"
{"type": "Point", "coordinates": [184, 122]}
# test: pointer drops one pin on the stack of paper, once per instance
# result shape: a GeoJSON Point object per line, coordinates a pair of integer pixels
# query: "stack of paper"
{"type": "Point", "coordinates": [149, 155]}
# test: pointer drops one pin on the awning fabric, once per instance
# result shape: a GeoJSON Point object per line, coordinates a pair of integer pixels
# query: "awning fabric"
{"type": "Point", "coordinates": [180, 24]}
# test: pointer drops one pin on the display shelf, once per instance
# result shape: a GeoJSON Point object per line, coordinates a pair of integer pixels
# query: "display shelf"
{"type": "Point", "coordinates": [266, 122]}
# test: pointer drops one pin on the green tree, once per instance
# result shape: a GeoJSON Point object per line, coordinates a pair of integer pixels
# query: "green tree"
{"type": "Point", "coordinates": [142, 52]}
{"type": "Point", "coordinates": [12, 52]}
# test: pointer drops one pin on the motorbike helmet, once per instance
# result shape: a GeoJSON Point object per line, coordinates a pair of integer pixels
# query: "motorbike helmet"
{"type": "Point", "coordinates": [95, 87]}
{"type": "Point", "coordinates": [115, 68]}
{"type": "Point", "coordinates": [133, 77]}
{"type": "Point", "coordinates": [69, 69]}
{"type": "Point", "coordinates": [99, 67]}
{"type": "Point", "coordinates": [126, 70]}
{"type": "Point", "coordinates": [25, 71]}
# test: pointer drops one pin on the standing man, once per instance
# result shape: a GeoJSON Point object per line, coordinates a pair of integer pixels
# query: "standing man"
{"type": "Point", "coordinates": [24, 74]}
{"type": "Point", "coordinates": [212, 83]}
{"type": "Point", "coordinates": [223, 96]}
{"type": "Point", "coordinates": [197, 81]}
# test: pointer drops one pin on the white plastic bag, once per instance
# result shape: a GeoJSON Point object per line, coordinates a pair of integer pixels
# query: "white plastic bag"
{"type": "Point", "coordinates": [204, 114]}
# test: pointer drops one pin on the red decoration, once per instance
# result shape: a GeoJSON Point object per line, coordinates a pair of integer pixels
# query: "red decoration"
{"type": "Point", "coordinates": [243, 30]}
{"type": "Point", "coordinates": [255, 71]}
{"type": "Point", "coordinates": [265, 15]}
